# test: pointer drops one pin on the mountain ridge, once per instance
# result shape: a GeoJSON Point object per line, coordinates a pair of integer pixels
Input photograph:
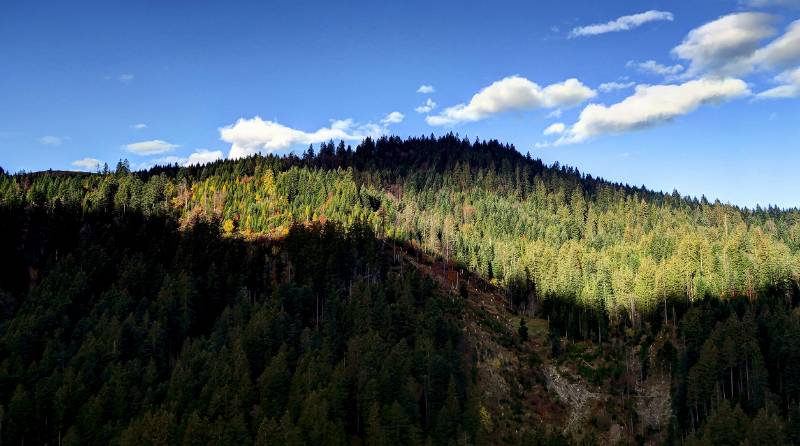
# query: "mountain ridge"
{"type": "Point", "coordinates": [549, 307]}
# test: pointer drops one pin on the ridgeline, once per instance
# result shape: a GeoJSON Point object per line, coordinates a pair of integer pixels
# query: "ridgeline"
{"type": "Point", "coordinates": [419, 291]}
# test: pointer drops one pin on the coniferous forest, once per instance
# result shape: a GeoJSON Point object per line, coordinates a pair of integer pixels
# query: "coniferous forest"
{"type": "Point", "coordinates": [431, 291]}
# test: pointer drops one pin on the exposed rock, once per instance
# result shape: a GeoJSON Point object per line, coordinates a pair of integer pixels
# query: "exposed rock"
{"type": "Point", "coordinates": [653, 403]}
{"type": "Point", "coordinates": [575, 395]}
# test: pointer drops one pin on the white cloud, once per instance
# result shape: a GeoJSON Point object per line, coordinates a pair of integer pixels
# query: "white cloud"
{"type": "Point", "coordinates": [167, 160]}
{"type": "Point", "coordinates": [426, 89]}
{"type": "Point", "coordinates": [769, 3]}
{"type": "Point", "coordinates": [89, 164]}
{"type": "Point", "coordinates": [513, 93]}
{"type": "Point", "coordinates": [790, 76]}
{"type": "Point", "coordinates": [555, 129]}
{"type": "Point", "coordinates": [198, 157]}
{"type": "Point", "coordinates": [50, 140]}
{"type": "Point", "coordinates": [139, 126]}
{"type": "Point", "coordinates": [790, 88]}
{"type": "Point", "coordinates": [555, 113]}
{"type": "Point", "coordinates": [780, 92]}
{"type": "Point", "coordinates": [152, 147]}
{"type": "Point", "coordinates": [651, 105]}
{"type": "Point", "coordinates": [623, 23]}
{"type": "Point", "coordinates": [126, 77]}
{"type": "Point", "coordinates": [203, 156]}
{"type": "Point", "coordinates": [654, 67]}
{"type": "Point", "coordinates": [611, 86]}
{"type": "Point", "coordinates": [731, 45]}
{"type": "Point", "coordinates": [426, 107]}
{"type": "Point", "coordinates": [781, 52]}
{"type": "Point", "coordinates": [569, 93]}
{"type": "Point", "coordinates": [394, 117]}
{"type": "Point", "coordinates": [250, 136]}
{"type": "Point", "coordinates": [726, 45]}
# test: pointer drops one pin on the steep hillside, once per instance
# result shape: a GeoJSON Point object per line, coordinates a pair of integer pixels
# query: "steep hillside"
{"type": "Point", "coordinates": [129, 330]}
{"type": "Point", "coordinates": [405, 291]}
{"type": "Point", "coordinates": [622, 250]}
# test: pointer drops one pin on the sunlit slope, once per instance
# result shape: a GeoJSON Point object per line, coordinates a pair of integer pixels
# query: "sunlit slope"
{"type": "Point", "coordinates": [503, 215]}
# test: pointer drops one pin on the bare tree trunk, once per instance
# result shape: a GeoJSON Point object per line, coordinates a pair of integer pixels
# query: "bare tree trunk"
{"type": "Point", "coordinates": [747, 371]}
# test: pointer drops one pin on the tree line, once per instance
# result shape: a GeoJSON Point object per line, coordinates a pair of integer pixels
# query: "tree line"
{"type": "Point", "coordinates": [623, 250]}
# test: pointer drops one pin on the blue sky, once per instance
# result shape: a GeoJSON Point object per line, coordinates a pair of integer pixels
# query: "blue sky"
{"type": "Point", "coordinates": [716, 112]}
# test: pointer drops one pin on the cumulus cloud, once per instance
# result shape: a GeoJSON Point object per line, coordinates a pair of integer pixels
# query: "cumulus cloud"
{"type": "Point", "coordinates": [612, 86]}
{"type": "Point", "coordinates": [427, 107]}
{"type": "Point", "coordinates": [651, 105]}
{"type": "Point", "coordinates": [250, 136]}
{"type": "Point", "coordinates": [426, 89]}
{"type": "Point", "coordinates": [51, 140]}
{"type": "Point", "coordinates": [198, 157]}
{"type": "Point", "coordinates": [126, 77]}
{"type": "Point", "coordinates": [651, 66]}
{"type": "Point", "coordinates": [781, 52]}
{"type": "Point", "coordinates": [394, 117]}
{"type": "Point", "coordinates": [152, 147]}
{"type": "Point", "coordinates": [791, 76]}
{"type": "Point", "coordinates": [513, 93]}
{"type": "Point", "coordinates": [167, 160]}
{"type": "Point", "coordinates": [555, 113]}
{"type": "Point", "coordinates": [569, 93]}
{"type": "Point", "coordinates": [732, 46]}
{"type": "Point", "coordinates": [790, 88]}
{"type": "Point", "coordinates": [623, 23]}
{"type": "Point", "coordinates": [769, 3]}
{"type": "Point", "coordinates": [203, 156]}
{"type": "Point", "coordinates": [780, 92]}
{"type": "Point", "coordinates": [555, 129]}
{"type": "Point", "coordinates": [725, 46]}
{"type": "Point", "coordinates": [90, 164]}
{"type": "Point", "coordinates": [139, 126]}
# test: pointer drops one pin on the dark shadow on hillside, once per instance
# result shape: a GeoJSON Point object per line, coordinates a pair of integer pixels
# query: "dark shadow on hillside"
{"type": "Point", "coordinates": [118, 327]}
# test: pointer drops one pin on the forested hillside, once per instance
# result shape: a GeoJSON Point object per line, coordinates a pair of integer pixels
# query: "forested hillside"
{"type": "Point", "coordinates": [622, 249]}
{"type": "Point", "coordinates": [348, 295]}
{"type": "Point", "coordinates": [135, 332]}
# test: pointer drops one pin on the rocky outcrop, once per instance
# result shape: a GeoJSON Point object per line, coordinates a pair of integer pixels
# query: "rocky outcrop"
{"type": "Point", "coordinates": [575, 395]}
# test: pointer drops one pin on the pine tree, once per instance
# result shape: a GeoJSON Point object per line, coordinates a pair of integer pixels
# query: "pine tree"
{"type": "Point", "coordinates": [522, 331]}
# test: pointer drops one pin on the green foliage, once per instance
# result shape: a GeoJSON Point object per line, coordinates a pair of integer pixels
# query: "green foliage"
{"type": "Point", "coordinates": [522, 331]}
{"type": "Point", "coordinates": [129, 330]}
{"type": "Point", "coordinates": [127, 317]}
{"type": "Point", "coordinates": [544, 232]}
